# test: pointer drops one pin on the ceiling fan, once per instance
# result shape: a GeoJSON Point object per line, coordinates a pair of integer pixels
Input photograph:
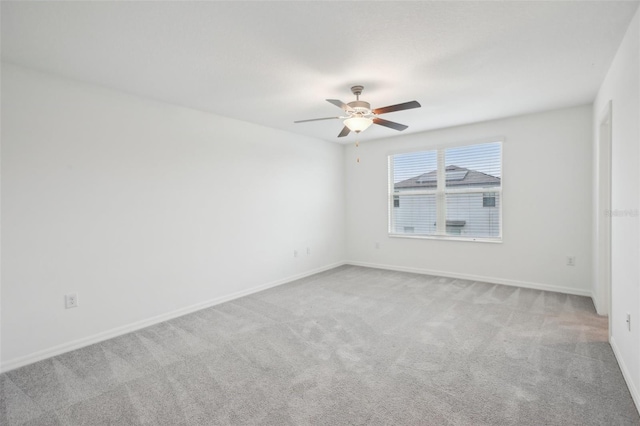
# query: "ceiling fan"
{"type": "Point", "coordinates": [359, 115]}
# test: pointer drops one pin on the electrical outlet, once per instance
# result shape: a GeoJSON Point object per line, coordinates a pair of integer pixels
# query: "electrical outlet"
{"type": "Point", "coordinates": [377, 245]}
{"type": "Point", "coordinates": [71, 300]}
{"type": "Point", "coordinates": [308, 251]}
{"type": "Point", "coordinates": [295, 253]}
{"type": "Point", "coordinates": [571, 261]}
{"type": "Point", "coordinates": [628, 321]}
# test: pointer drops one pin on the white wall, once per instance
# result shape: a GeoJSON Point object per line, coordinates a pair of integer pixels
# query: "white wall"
{"type": "Point", "coordinates": [622, 87]}
{"type": "Point", "coordinates": [546, 204]}
{"type": "Point", "coordinates": [145, 208]}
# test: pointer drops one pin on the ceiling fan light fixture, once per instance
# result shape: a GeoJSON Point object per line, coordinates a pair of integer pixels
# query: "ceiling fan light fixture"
{"type": "Point", "coordinates": [358, 124]}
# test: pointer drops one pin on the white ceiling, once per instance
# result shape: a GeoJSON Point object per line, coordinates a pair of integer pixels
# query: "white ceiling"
{"type": "Point", "coordinates": [275, 62]}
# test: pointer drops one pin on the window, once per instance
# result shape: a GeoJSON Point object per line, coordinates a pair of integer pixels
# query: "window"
{"type": "Point", "coordinates": [488, 200]}
{"type": "Point", "coordinates": [447, 192]}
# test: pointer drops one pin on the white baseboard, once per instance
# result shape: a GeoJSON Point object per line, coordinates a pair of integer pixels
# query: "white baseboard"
{"type": "Point", "coordinates": [493, 280]}
{"type": "Point", "coordinates": [118, 331]}
{"type": "Point", "coordinates": [595, 304]}
{"type": "Point", "coordinates": [600, 309]}
{"type": "Point", "coordinates": [625, 373]}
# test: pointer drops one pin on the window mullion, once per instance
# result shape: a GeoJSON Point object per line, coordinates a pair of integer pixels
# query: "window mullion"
{"type": "Point", "coordinates": [441, 201]}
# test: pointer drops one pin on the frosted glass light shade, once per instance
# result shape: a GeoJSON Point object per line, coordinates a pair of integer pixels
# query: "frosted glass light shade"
{"type": "Point", "coordinates": [358, 124]}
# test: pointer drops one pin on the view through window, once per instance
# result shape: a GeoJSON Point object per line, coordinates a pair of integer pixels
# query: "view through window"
{"type": "Point", "coordinates": [447, 192]}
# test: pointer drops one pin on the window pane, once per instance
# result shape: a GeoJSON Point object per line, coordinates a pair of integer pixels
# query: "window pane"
{"type": "Point", "coordinates": [468, 217]}
{"type": "Point", "coordinates": [473, 166]}
{"type": "Point", "coordinates": [416, 214]}
{"type": "Point", "coordinates": [414, 171]}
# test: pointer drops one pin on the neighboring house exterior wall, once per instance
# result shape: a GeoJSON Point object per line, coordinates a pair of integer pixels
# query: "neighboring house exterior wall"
{"type": "Point", "coordinates": [467, 214]}
{"type": "Point", "coordinates": [472, 213]}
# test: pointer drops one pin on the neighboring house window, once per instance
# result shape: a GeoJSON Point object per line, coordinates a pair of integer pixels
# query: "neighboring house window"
{"type": "Point", "coordinates": [453, 191]}
{"type": "Point", "coordinates": [488, 199]}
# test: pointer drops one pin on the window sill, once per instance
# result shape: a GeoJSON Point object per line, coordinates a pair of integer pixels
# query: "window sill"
{"type": "Point", "coordinates": [447, 238]}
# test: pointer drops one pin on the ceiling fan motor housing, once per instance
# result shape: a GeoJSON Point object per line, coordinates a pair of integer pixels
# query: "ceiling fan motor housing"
{"type": "Point", "coordinates": [360, 107]}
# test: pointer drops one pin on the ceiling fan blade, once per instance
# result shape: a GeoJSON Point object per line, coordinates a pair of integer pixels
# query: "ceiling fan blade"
{"type": "Point", "coordinates": [316, 119]}
{"type": "Point", "coordinates": [340, 104]}
{"type": "Point", "coordinates": [389, 124]}
{"type": "Point", "coordinates": [345, 131]}
{"type": "Point", "coordinates": [398, 107]}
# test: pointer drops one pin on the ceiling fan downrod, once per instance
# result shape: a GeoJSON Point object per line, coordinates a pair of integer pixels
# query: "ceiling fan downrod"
{"type": "Point", "coordinates": [357, 90]}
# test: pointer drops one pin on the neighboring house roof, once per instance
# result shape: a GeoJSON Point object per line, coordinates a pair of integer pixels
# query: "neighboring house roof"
{"type": "Point", "coordinates": [456, 176]}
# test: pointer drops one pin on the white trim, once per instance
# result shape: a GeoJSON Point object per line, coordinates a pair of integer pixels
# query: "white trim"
{"type": "Point", "coordinates": [445, 145]}
{"type": "Point", "coordinates": [118, 331]}
{"type": "Point", "coordinates": [448, 238]}
{"type": "Point", "coordinates": [635, 395]}
{"type": "Point", "coordinates": [470, 277]}
{"type": "Point", "coordinates": [441, 197]}
{"type": "Point", "coordinates": [594, 299]}
{"type": "Point", "coordinates": [602, 222]}
{"type": "Point", "coordinates": [487, 189]}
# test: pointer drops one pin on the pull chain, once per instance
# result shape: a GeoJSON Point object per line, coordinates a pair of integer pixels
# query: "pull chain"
{"type": "Point", "coordinates": [357, 145]}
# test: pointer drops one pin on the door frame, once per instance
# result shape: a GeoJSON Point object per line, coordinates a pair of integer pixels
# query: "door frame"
{"type": "Point", "coordinates": [603, 212]}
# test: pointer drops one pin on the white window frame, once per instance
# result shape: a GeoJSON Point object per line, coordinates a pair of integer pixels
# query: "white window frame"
{"type": "Point", "coordinates": [441, 191]}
